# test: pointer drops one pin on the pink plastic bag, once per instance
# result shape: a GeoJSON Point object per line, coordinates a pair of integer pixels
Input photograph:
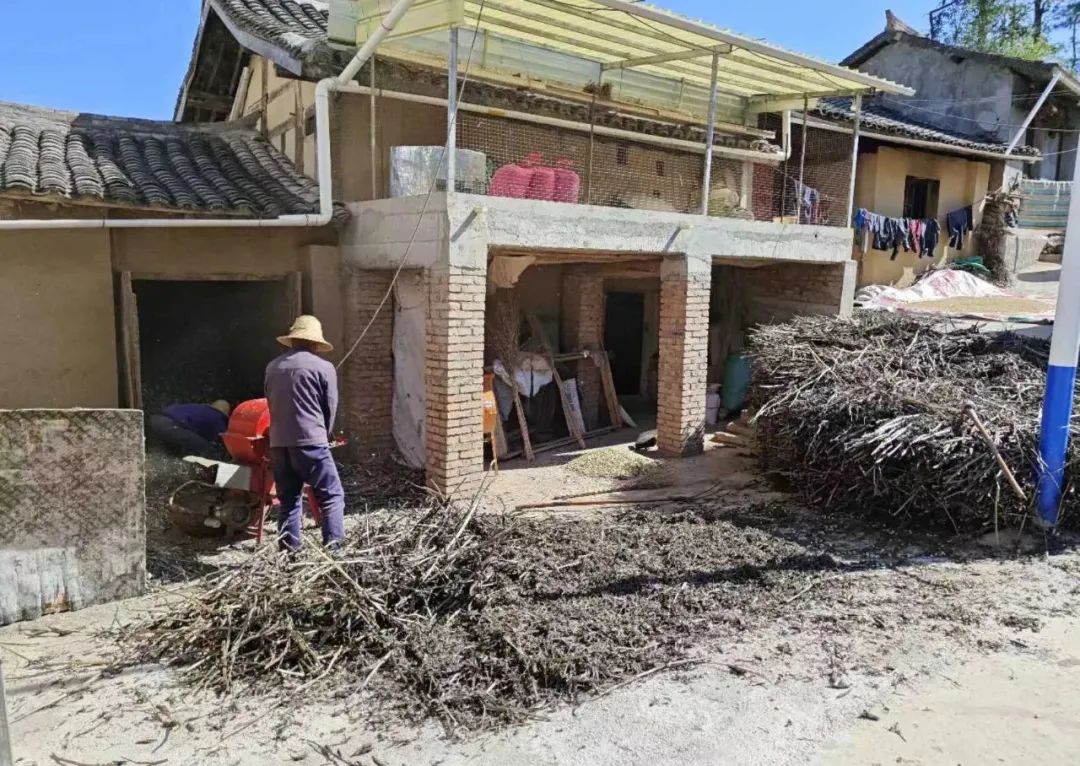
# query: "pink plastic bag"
{"type": "Point", "coordinates": [567, 182]}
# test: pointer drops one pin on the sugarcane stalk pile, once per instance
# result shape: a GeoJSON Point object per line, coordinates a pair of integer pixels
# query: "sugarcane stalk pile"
{"type": "Point", "coordinates": [867, 416]}
{"type": "Point", "coordinates": [476, 620]}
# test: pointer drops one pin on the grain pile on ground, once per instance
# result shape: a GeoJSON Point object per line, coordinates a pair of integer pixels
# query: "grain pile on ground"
{"type": "Point", "coordinates": [866, 416]}
{"type": "Point", "coordinates": [614, 463]}
{"type": "Point", "coordinates": [477, 620]}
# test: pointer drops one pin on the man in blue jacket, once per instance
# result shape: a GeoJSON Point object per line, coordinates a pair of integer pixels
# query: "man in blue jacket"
{"type": "Point", "coordinates": [191, 429]}
{"type": "Point", "coordinates": [301, 388]}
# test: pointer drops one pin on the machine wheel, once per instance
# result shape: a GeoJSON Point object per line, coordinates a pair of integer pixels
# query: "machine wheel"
{"type": "Point", "coordinates": [230, 513]}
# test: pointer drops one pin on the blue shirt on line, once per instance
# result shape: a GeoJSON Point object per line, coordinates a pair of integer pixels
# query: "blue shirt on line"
{"type": "Point", "coordinates": [200, 418]}
{"type": "Point", "coordinates": [302, 391]}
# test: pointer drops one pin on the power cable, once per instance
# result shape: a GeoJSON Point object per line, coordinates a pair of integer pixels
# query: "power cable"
{"type": "Point", "coordinates": [427, 198]}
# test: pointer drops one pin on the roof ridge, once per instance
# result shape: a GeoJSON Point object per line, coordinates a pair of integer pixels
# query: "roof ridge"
{"type": "Point", "coordinates": [46, 116]}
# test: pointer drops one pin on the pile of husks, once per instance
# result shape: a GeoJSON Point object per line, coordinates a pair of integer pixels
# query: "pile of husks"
{"type": "Point", "coordinates": [868, 416]}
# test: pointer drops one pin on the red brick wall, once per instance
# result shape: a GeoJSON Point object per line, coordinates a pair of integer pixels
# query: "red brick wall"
{"type": "Point", "coordinates": [684, 342]}
{"type": "Point", "coordinates": [367, 378]}
{"type": "Point", "coordinates": [778, 292]}
{"type": "Point", "coordinates": [453, 420]}
{"type": "Point", "coordinates": [582, 327]}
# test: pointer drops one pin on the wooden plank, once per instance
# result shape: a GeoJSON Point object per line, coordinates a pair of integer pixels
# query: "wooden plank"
{"type": "Point", "coordinates": [502, 449]}
{"type": "Point", "coordinates": [129, 344]}
{"type": "Point", "coordinates": [538, 333]}
{"type": "Point", "coordinates": [294, 284]}
{"type": "Point", "coordinates": [564, 442]}
{"type": "Point", "coordinates": [298, 127]}
{"type": "Point", "coordinates": [264, 83]}
{"type": "Point", "coordinates": [609, 389]}
{"type": "Point", "coordinates": [525, 440]}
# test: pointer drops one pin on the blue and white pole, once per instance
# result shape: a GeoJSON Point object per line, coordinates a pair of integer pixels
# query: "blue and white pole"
{"type": "Point", "coordinates": [1061, 374]}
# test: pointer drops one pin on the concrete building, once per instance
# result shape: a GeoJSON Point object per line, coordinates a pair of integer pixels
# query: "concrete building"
{"type": "Point", "coordinates": [680, 231]}
{"type": "Point", "coordinates": [641, 245]}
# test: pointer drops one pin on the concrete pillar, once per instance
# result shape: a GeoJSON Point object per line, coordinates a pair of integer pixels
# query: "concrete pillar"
{"type": "Point", "coordinates": [582, 327]}
{"type": "Point", "coordinates": [454, 363]}
{"type": "Point", "coordinates": [367, 377]}
{"type": "Point", "coordinates": [684, 341]}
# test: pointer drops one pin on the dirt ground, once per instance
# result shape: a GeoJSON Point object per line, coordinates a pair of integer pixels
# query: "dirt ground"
{"type": "Point", "coordinates": [908, 649]}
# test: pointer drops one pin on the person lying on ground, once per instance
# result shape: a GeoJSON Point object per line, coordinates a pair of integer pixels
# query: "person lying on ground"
{"type": "Point", "coordinates": [191, 429]}
{"type": "Point", "coordinates": [301, 389]}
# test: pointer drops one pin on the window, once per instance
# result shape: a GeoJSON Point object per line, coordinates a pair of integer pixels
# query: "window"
{"type": "Point", "coordinates": [622, 154]}
{"type": "Point", "coordinates": [921, 197]}
{"type": "Point", "coordinates": [660, 168]}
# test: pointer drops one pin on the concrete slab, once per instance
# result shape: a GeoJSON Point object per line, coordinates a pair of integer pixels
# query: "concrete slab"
{"type": "Point", "coordinates": [73, 509]}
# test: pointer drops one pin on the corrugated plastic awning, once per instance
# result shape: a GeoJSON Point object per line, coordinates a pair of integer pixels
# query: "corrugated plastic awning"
{"type": "Point", "coordinates": [616, 35]}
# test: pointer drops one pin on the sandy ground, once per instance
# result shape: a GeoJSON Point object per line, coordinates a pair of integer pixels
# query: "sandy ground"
{"type": "Point", "coordinates": [939, 652]}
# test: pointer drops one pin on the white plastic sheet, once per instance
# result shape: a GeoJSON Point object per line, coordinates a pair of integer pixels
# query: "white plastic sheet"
{"type": "Point", "coordinates": [410, 348]}
{"type": "Point", "coordinates": [937, 285]}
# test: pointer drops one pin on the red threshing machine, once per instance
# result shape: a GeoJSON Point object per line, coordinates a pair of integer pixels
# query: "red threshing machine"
{"type": "Point", "coordinates": [227, 499]}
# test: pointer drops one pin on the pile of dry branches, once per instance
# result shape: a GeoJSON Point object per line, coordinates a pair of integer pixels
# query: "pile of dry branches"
{"type": "Point", "coordinates": [476, 620]}
{"type": "Point", "coordinates": [868, 416]}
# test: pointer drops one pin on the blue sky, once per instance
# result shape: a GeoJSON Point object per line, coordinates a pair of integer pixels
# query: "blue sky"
{"type": "Point", "coordinates": [107, 57]}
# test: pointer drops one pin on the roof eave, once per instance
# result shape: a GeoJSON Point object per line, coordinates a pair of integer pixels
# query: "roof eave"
{"type": "Point", "coordinates": [1068, 79]}
{"type": "Point", "coordinates": [941, 146]}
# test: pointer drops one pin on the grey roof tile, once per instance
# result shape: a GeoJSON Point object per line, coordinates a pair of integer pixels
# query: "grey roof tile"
{"type": "Point", "coordinates": [879, 118]}
{"type": "Point", "coordinates": [224, 168]}
{"type": "Point", "coordinates": [295, 26]}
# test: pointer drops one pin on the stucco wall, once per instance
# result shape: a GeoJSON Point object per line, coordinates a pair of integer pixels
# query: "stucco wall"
{"type": "Point", "coordinates": [59, 333]}
{"type": "Point", "coordinates": [195, 252]}
{"type": "Point", "coordinates": [880, 188]}
{"type": "Point", "coordinates": [57, 289]}
{"type": "Point", "coordinates": [73, 505]}
{"type": "Point", "coordinates": [398, 123]}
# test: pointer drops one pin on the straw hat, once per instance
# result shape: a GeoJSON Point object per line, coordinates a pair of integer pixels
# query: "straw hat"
{"type": "Point", "coordinates": [222, 406]}
{"type": "Point", "coordinates": [306, 327]}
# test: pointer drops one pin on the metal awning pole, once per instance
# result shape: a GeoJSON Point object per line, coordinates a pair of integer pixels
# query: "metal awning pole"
{"type": "Point", "coordinates": [6, 757]}
{"type": "Point", "coordinates": [710, 134]}
{"type": "Point", "coordinates": [857, 104]}
{"type": "Point", "coordinates": [1061, 372]}
{"type": "Point", "coordinates": [802, 158]}
{"type": "Point", "coordinates": [372, 125]}
{"type": "Point", "coordinates": [1022, 130]}
{"type": "Point", "coordinates": [451, 114]}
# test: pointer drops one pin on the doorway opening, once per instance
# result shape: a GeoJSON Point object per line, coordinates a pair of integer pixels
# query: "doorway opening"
{"type": "Point", "coordinates": [187, 341]}
{"type": "Point", "coordinates": [624, 329]}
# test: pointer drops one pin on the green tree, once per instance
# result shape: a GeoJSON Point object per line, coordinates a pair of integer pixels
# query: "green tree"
{"type": "Point", "coordinates": [1018, 28]}
{"type": "Point", "coordinates": [1067, 18]}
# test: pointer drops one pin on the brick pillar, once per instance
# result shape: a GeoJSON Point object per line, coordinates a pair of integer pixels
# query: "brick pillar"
{"type": "Point", "coordinates": [453, 418]}
{"type": "Point", "coordinates": [367, 377]}
{"type": "Point", "coordinates": [582, 327]}
{"type": "Point", "coordinates": [684, 343]}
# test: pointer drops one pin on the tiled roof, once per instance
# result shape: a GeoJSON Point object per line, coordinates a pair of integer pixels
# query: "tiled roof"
{"type": "Point", "coordinates": [295, 26]}
{"type": "Point", "coordinates": [221, 168]}
{"type": "Point", "coordinates": [889, 120]}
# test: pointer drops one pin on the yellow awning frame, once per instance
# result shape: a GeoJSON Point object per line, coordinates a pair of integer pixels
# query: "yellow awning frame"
{"type": "Point", "coordinates": [643, 52]}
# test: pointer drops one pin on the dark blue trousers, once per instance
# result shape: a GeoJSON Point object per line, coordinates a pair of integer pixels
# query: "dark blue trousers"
{"type": "Point", "coordinates": [293, 468]}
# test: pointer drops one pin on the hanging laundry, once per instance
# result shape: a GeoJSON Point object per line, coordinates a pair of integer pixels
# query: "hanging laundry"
{"type": "Point", "coordinates": [959, 223]}
{"type": "Point", "coordinates": [930, 236]}
{"type": "Point", "coordinates": [915, 226]}
{"type": "Point", "coordinates": [807, 200]}
{"type": "Point", "coordinates": [920, 235]}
